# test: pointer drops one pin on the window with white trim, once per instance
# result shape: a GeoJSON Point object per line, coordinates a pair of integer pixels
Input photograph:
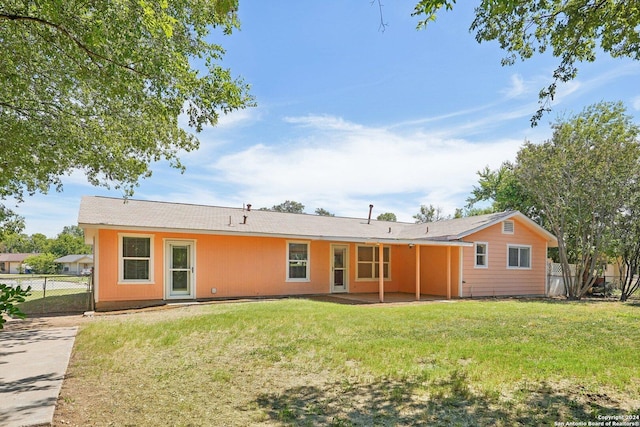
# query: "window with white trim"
{"type": "Point", "coordinates": [298, 262]}
{"type": "Point", "coordinates": [518, 256]}
{"type": "Point", "coordinates": [136, 259]}
{"type": "Point", "coordinates": [369, 262]}
{"type": "Point", "coordinates": [482, 253]}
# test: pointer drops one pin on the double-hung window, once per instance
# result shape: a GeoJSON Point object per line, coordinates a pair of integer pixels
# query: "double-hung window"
{"type": "Point", "coordinates": [518, 256]}
{"type": "Point", "coordinates": [298, 262]}
{"type": "Point", "coordinates": [136, 259]}
{"type": "Point", "coordinates": [481, 255]}
{"type": "Point", "coordinates": [369, 262]}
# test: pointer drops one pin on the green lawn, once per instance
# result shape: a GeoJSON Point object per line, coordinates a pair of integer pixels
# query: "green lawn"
{"type": "Point", "coordinates": [63, 294]}
{"type": "Point", "coordinates": [300, 362]}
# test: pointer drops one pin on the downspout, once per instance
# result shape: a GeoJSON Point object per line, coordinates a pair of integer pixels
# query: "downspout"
{"type": "Point", "coordinates": [380, 271]}
{"type": "Point", "coordinates": [417, 247]}
{"type": "Point", "coordinates": [448, 272]}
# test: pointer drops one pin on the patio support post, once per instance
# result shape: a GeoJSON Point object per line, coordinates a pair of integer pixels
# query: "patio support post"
{"type": "Point", "coordinates": [381, 271]}
{"type": "Point", "coordinates": [417, 273]}
{"type": "Point", "coordinates": [448, 272]}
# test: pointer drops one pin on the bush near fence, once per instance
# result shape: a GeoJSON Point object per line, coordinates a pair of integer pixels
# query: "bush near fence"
{"type": "Point", "coordinates": [606, 284]}
{"type": "Point", "coordinates": [53, 294]}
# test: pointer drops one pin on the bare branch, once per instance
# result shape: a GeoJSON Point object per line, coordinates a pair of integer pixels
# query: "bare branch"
{"type": "Point", "coordinates": [383, 25]}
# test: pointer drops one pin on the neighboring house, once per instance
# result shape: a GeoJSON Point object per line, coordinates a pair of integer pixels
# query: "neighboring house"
{"type": "Point", "coordinates": [75, 264]}
{"type": "Point", "coordinates": [13, 263]}
{"type": "Point", "coordinates": [152, 252]}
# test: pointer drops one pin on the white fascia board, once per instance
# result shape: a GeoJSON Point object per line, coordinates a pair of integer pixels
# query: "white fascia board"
{"type": "Point", "coordinates": [347, 239]}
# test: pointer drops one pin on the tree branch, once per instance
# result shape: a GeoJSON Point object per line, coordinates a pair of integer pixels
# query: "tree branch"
{"type": "Point", "coordinates": [383, 25]}
{"type": "Point", "coordinates": [70, 36]}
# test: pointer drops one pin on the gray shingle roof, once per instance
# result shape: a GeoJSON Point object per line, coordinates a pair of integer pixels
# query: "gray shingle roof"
{"type": "Point", "coordinates": [7, 257]}
{"type": "Point", "coordinates": [148, 215]}
{"type": "Point", "coordinates": [73, 258]}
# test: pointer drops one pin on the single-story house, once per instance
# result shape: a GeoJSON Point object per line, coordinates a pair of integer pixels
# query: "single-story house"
{"type": "Point", "coordinates": [148, 252]}
{"type": "Point", "coordinates": [13, 263]}
{"type": "Point", "coordinates": [75, 264]}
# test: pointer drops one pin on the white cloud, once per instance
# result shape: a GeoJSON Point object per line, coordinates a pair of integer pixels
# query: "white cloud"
{"type": "Point", "coordinates": [635, 102]}
{"type": "Point", "coordinates": [516, 88]}
{"type": "Point", "coordinates": [346, 166]}
{"type": "Point", "coordinates": [238, 118]}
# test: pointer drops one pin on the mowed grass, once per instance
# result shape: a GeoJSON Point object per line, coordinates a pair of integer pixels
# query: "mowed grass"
{"type": "Point", "coordinates": [300, 362]}
{"type": "Point", "coordinates": [56, 301]}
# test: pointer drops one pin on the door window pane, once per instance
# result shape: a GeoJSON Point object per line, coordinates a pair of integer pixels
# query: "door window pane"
{"type": "Point", "coordinates": [180, 257]}
{"type": "Point", "coordinates": [180, 280]}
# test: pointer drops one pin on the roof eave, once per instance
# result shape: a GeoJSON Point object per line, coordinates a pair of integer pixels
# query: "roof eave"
{"type": "Point", "coordinates": [236, 232]}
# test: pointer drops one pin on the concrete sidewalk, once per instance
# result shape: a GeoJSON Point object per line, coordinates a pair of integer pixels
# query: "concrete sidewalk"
{"type": "Point", "coordinates": [32, 366]}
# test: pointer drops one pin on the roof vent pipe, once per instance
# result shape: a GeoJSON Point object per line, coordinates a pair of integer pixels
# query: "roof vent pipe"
{"type": "Point", "coordinates": [248, 207]}
{"type": "Point", "coordinates": [244, 221]}
{"type": "Point", "coordinates": [370, 209]}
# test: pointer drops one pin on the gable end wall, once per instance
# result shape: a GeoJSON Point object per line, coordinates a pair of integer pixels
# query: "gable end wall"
{"type": "Point", "coordinates": [497, 279]}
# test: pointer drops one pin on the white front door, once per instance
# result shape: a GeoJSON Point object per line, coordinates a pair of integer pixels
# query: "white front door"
{"type": "Point", "coordinates": [339, 268]}
{"type": "Point", "coordinates": [179, 265]}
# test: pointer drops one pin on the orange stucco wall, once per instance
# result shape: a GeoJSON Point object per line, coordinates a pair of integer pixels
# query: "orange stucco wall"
{"type": "Point", "coordinates": [433, 272]}
{"type": "Point", "coordinates": [238, 266]}
{"type": "Point", "coordinates": [497, 279]}
{"type": "Point", "coordinates": [244, 266]}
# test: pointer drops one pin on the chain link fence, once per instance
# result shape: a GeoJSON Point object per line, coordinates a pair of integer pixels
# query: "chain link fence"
{"type": "Point", "coordinates": [53, 294]}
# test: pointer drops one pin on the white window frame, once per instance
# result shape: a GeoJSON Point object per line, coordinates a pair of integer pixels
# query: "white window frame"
{"type": "Point", "coordinates": [519, 266]}
{"type": "Point", "coordinates": [374, 269]}
{"type": "Point", "coordinates": [121, 259]}
{"type": "Point", "coordinates": [485, 254]}
{"type": "Point", "coordinates": [307, 277]}
{"type": "Point", "coordinates": [504, 227]}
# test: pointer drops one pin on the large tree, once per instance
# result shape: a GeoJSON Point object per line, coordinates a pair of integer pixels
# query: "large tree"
{"type": "Point", "coordinates": [580, 180]}
{"type": "Point", "coordinates": [100, 87]}
{"type": "Point", "coordinates": [626, 243]}
{"type": "Point", "coordinates": [574, 31]}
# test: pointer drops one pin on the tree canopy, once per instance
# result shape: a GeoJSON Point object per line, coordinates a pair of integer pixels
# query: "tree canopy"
{"type": "Point", "coordinates": [100, 87]}
{"type": "Point", "coordinates": [572, 30]}
{"type": "Point", "coordinates": [429, 214]}
{"type": "Point", "coordinates": [323, 212]}
{"type": "Point", "coordinates": [387, 216]}
{"type": "Point", "coordinates": [580, 180]}
{"type": "Point", "coordinates": [502, 189]}
{"type": "Point", "coordinates": [289, 206]}
{"type": "Point", "coordinates": [69, 242]}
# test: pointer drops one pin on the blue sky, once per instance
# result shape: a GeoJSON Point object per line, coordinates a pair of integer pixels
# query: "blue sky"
{"type": "Point", "coordinates": [349, 115]}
